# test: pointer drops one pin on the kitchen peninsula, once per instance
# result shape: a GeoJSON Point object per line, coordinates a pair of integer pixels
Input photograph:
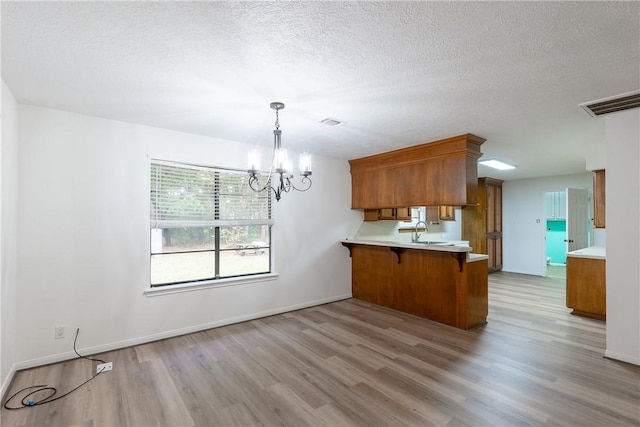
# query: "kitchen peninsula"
{"type": "Point", "coordinates": [438, 281]}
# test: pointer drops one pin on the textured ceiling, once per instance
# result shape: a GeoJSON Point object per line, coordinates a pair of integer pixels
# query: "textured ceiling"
{"type": "Point", "coordinates": [398, 73]}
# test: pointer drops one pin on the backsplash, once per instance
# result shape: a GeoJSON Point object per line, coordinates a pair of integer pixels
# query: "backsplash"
{"type": "Point", "coordinates": [388, 231]}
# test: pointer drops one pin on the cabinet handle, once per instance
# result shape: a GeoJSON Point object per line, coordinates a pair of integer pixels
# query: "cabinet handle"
{"type": "Point", "coordinates": [570, 240]}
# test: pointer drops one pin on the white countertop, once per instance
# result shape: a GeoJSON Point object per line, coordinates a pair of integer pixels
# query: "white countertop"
{"type": "Point", "coordinates": [594, 252]}
{"type": "Point", "coordinates": [476, 257]}
{"type": "Point", "coordinates": [442, 247]}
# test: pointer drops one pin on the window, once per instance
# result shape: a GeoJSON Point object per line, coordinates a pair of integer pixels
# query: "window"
{"type": "Point", "coordinates": [206, 224]}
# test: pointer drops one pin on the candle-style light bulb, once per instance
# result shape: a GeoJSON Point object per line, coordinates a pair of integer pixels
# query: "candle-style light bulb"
{"type": "Point", "coordinates": [281, 161]}
{"type": "Point", "coordinates": [253, 162]}
{"type": "Point", "coordinates": [305, 164]}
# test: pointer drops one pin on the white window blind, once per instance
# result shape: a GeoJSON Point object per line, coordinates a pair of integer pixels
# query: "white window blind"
{"type": "Point", "coordinates": [195, 196]}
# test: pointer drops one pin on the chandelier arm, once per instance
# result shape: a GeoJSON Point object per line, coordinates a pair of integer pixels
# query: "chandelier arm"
{"type": "Point", "coordinates": [305, 180]}
{"type": "Point", "coordinates": [254, 183]}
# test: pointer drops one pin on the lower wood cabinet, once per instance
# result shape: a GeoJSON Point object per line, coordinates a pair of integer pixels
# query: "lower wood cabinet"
{"type": "Point", "coordinates": [587, 286]}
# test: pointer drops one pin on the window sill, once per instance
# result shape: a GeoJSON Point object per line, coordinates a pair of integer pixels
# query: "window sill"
{"type": "Point", "coordinates": [209, 284]}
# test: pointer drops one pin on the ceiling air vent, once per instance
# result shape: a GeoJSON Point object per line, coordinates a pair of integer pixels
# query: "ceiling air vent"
{"type": "Point", "coordinates": [331, 122]}
{"type": "Point", "coordinates": [626, 101]}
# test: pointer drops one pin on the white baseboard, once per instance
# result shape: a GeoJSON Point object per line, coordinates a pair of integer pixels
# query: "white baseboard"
{"type": "Point", "coordinates": [622, 357]}
{"type": "Point", "coordinates": [7, 381]}
{"type": "Point", "coordinates": [55, 358]}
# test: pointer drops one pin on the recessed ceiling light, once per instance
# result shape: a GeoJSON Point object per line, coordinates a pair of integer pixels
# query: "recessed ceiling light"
{"type": "Point", "coordinates": [496, 164]}
{"type": "Point", "coordinates": [331, 122]}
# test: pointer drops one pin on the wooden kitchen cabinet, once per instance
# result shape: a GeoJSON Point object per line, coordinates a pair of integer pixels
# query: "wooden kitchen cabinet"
{"type": "Point", "coordinates": [442, 172]}
{"type": "Point", "coordinates": [386, 214]}
{"type": "Point", "coordinates": [403, 214]}
{"type": "Point", "coordinates": [447, 213]}
{"type": "Point", "coordinates": [396, 214]}
{"type": "Point", "coordinates": [432, 214]}
{"type": "Point", "coordinates": [482, 224]}
{"type": "Point", "coordinates": [587, 286]}
{"type": "Point", "coordinates": [599, 199]}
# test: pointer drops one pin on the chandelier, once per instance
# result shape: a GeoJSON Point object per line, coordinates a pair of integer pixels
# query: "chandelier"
{"type": "Point", "coordinates": [280, 170]}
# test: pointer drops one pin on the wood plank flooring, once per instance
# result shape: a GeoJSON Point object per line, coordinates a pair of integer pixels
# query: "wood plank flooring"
{"type": "Point", "coordinates": [351, 363]}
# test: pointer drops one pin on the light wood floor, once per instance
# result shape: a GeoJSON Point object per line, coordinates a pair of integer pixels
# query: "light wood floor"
{"type": "Point", "coordinates": [557, 271]}
{"type": "Point", "coordinates": [353, 363]}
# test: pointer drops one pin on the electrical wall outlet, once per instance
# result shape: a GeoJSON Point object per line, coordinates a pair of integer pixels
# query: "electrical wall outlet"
{"type": "Point", "coordinates": [58, 332]}
{"type": "Point", "coordinates": [104, 367]}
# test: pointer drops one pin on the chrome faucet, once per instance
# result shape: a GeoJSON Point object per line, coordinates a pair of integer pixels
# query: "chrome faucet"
{"type": "Point", "coordinates": [416, 235]}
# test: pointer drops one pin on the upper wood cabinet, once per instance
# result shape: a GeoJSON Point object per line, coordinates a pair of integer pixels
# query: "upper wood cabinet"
{"type": "Point", "coordinates": [397, 214]}
{"type": "Point", "coordinates": [443, 172]}
{"type": "Point", "coordinates": [432, 214]}
{"type": "Point", "coordinates": [599, 199]}
{"type": "Point", "coordinates": [447, 213]}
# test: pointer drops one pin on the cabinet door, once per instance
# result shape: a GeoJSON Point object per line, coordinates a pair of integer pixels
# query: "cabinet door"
{"type": "Point", "coordinates": [494, 251]}
{"type": "Point", "coordinates": [550, 205]}
{"type": "Point", "coordinates": [491, 208]}
{"type": "Point", "coordinates": [447, 213]}
{"type": "Point", "coordinates": [400, 214]}
{"type": "Point", "coordinates": [497, 208]}
{"type": "Point", "coordinates": [371, 214]}
{"type": "Point", "coordinates": [432, 214]}
{"type": "Point", "coordinates": [497, 254]}
{"type": "Point", "coordinates": [386, 213]}
{"type": "Point", "coordinates": [403, 214]}
{"type": "Point", "coordinates": [491, 246]}
{"type": "Point", "coordinates": [599, 199]}
{"type": "Point", "coordinates": [561, 204]}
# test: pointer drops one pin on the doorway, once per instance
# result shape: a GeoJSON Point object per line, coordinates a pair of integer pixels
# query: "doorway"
{"type": "Point", "coordinates": [556, 227]}
{"type": "Point", "coordinates": [567, 226]}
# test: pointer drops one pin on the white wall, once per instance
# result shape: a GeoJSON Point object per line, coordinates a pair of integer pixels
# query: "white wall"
{"type": "Point", "coordinates": [524, 220]}
{"type": "Point", "coordinates": [84, 237]}
{"type": "Point", "coordinates": [622, 136]}
{"type": "Point", "coordinates": [8, 235]}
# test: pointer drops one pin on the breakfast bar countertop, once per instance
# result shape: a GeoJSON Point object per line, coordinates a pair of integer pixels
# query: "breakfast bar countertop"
{"type": "Point", "coordinates": [444, 246]}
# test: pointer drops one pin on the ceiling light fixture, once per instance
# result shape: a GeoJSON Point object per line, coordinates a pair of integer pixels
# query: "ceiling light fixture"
{"type": "Point", "coordinates": [280, 165]}
{"type": "Point", "coordinates": [496, 164]}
